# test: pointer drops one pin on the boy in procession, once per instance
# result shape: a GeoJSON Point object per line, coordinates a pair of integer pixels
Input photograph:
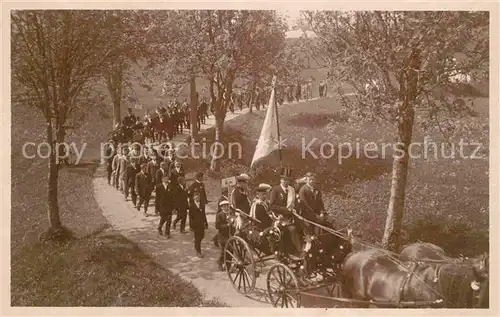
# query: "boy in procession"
{"type": "Point", "coordinates": [224, 230]}
{"type": "Point", "coordinates": [197, 221]}
{"type": "Point", "coordinates": [142, 188]}
{"type": "Point", "coordinates": [164, 192]}
{"type": "Point", "coordinates": [181, 202]}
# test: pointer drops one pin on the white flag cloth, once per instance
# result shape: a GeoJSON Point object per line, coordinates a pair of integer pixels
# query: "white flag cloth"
{"type": "Point", "coordinates": [268, 140]}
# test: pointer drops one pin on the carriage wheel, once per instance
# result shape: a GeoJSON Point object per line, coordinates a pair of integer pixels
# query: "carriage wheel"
{"type": "Point", "coordinates": [283, 287]}
{"type": "Point", "coordinates": [240, 265]}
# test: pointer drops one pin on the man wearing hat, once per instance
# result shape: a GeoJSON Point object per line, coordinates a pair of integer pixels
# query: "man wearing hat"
{"type": "Point", "coordinates": [176, 171]}
{"type": "Point", "coordinates": [224, 196]}
{"type": "Point", "coordinates": [239, 196]}
{"type": "Point", "coordinates": [197, 187]}
{"type": "Point", "coordinates": [197, 221]}
{"type": "Point", "coordinates": [160, 173]}
{"type": "Point", "coordinates": [224, 229]}
{"type": "Point", "coordinates": [282, 203]}
{"type": "Point", "coordinates": [152, 168]}
{"type": "Point", "coordinates": [181, 203]}
{"type": "Point", "coordinates": [311, 201]}
{"type": "Point", "coordinates": [260, 207]}
{"type": "Point", "coordinates": [129, 119]}
{"type": "Point", "coordinates": [132, 169]}
{"type": "Point", "coordinates": [165, 200]}
{"type": "Point", "coordinates": [142, 185]}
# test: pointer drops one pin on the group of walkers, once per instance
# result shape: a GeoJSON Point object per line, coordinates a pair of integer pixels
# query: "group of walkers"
{"type": "Point", "coordinates": [161, 125]}
{"type": "Point", "coordinates": [139, 171]}
{"type": "Point", "coordinates": [304, 90]}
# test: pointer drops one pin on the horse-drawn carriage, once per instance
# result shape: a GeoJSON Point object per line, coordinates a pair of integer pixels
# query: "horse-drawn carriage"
{"type": "Point", "coordinates": [421, 276]}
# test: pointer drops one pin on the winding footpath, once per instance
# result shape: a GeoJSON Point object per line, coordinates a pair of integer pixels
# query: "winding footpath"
{"type": "Point", "coordinates": [176, 254]}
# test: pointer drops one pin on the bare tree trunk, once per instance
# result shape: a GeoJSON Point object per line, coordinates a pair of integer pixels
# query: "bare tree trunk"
{"type": "Point", "coordinates": [116, 111]}
{"type": "Point", "coordinates": [114, 82]}
{"type": "Point", "coordinates": [395, 210]}
{"type": "Point", "coordinates": [52, 183]}
{"type": "Point", "coordinates": [193, 119]}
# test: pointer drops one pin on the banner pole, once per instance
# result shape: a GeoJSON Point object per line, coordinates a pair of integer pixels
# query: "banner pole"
{"type": "Point", "coordinates": [277, 121]}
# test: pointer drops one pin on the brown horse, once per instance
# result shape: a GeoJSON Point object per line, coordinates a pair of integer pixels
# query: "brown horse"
{"type": "Point", "coordinates": [431, 253]}
{"type": "Point", "coordinates": [374, 275]}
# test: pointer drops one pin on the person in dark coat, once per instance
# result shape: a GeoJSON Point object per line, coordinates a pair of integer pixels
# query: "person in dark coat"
{"type": "Point", "coordinates": [239, 195]}
{"type": "Point", "coordinates": [142, 188]}
{"type": "Point", "coordinates": [197, 221]}
{"type": "Point", "coordinates": [224, 229]}
{"type": "Point", "coordinates": [260, 207]}
{"type": "Point", "coordinates": [160, 173]}
{"type": "Point", "coordinates": [152, 167]}
{"type": "Point", "coordinates": [198, 187]}
{"type": "Point", "coordinates": [312, 206]}
{"type": "Point", "coordinates": [223, 197]}
{"type": "Point", "coordinates": [282, 203]}
{"type": "Point", "coordinates": [311, 200]}
{"type": "Point", "coordinates": [181, 200]}
{"type": "Point", "coordinates": [166, 204]}
{"type": "Point", "coordinates": [129, 119]}
{"type": "Point", "coordinates": [133, 169]}
{"type": "Point", "coordinates": [176, 171]}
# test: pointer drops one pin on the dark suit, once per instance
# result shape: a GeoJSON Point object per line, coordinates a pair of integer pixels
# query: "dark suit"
{"type": "Point", "coordinates": [173, 174]}
{"type": "Point", "coordinates": [165, 206]}
{"type": "Point", "coordinates": [311, 202]}
{"type": "Point", "coordinates": [131, 174]}
{"type": "Point", "coordinates": [198, 222]}
{"type": "Point", "coordinates": [158, 180]}
{"type": "Point", "coordinates": [181, 205]}
{"type": "Point", "coordinates": [261, 214]}
{"type": "Point", "coordinates": [278, 205]}
{"type": "Point", "coordinates": [198, 187]}
{"type": "Point", "coordinates": [110, 154]}
{"type": "Point", "coordinates": [152, 168]}
{"type": "Point", "coordinates": [278, 201]}
{"type": "Point", "coordinates": [224, 232]}
{"type": "Point", "coordinates": [239, 200]}
{"type": "Point", "coordinates": [142, 189]}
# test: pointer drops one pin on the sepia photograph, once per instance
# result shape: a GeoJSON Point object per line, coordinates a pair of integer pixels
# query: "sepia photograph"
{"type": "Point", "coordinates": [250, 158]}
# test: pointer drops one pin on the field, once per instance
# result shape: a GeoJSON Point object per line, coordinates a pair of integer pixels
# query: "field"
{"type": "Point", "coordinates": [446, 199]}
{"type": "Point", "coordinates": [98, 267]}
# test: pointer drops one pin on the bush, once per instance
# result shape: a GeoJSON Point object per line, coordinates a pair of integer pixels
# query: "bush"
{"type": "Point", "coordinates": [453, 234]}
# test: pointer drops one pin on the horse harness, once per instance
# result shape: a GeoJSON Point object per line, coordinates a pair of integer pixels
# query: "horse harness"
{"type": "Point", "coordinates": [411, 272]}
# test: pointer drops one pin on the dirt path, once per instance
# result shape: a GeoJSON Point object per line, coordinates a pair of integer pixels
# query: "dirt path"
{"type": "Point", "coordinates": [176, 254]}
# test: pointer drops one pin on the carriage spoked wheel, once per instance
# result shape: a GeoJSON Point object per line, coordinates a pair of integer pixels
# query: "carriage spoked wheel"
{"type": "Point", "coordinates": [240, 265]}
{"type": "Point", "coordinates": [283, 287]}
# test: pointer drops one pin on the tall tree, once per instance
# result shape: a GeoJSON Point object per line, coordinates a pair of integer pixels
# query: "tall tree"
{"type": "Point", "coordinates": [393, 62]}
{"type": "Point", "coordinates": [127, 32]}
{"type": "Point", "coordinates": [227, 44]}
{"type": "Point", "coordinates": [55, 57]}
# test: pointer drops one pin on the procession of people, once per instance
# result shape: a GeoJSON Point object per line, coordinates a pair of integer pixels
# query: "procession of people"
{"type": "Point", "coordinates": [141, 172]}
{"type": "Point", "coordinates": [141, 165]}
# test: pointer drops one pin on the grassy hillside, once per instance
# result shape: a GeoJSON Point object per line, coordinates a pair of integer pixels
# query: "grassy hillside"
{"type": "Point", "coordinates": [446, 199]}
